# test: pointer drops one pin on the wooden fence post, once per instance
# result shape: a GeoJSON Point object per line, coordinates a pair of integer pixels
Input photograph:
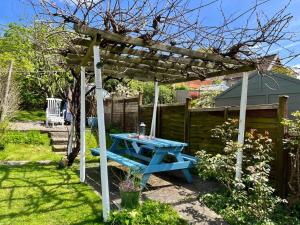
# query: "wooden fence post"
{"type": "Point", "coordinates": [158, 122]}
{"type": "Point", "coordinates": [124, 114]}
{"type": "Point", "coordinates": [281, 155]}
{"type": "Point", "coordinates": [112, 109]}
{"type": "Point", "coordinates": [187, 120]}
{"type": "Point", "coordinates": [140, 102]}
{"type": "Point", "coordinates": [225, 113]}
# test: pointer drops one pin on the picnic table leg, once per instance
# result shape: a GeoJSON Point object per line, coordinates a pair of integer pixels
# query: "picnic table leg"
{"type": "Point", "coordinates": [186, 172]}
{"type": "Point", "coordinates": [157, 158]}
{"type": "Point", "coordinates": [114, 145]}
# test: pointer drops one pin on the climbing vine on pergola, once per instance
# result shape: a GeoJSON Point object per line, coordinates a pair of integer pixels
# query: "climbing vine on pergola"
{"type": "Point", "coordinates": [134, 58]}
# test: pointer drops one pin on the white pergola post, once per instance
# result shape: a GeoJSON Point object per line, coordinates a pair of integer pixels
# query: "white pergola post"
{"type": "Point", "coordinates": [242, 120]}
{"type": "Point", "coordinates": [153, 123]}
{"type": "Point", "coordinates": [101, 133]}
{"type": "Point", "coordinates": [82, 125]}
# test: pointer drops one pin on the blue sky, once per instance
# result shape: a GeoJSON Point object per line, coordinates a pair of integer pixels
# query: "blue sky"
{"type": "Point", "coordinates": [20, 12]}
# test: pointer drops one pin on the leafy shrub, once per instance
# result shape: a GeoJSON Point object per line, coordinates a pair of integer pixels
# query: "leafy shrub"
{"type": "Point", "coordinates": [149, 213]}
{"type": "Point", "coordinates": [132, 88]}
{"type": "Point", "coordinates": [28, 137]}
{"type": "Point", "coordinates": [252, 197]}
{"type": "Point", "coordinates": [182, 87]}
{"type": "Point", "coordinates": [30, 115]}
{"type": "Point", "coordinates": [3, 127]}
{"type": "Point", "coordinates": [226, 205]}
{"type": "Point", "coordinates": [292, 145]}
{"type": "Point", "coordinates": [206, 99]}
{"type": "Point", "coordinates": [166, 92]}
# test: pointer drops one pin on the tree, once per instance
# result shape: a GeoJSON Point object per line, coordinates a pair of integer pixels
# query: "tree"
{"type": "Point", "coordinates": [166, 92]}
{"type": "Point", "coordinates": [39, 74]}
{"type": "Point", "coordinates": [175, 22]}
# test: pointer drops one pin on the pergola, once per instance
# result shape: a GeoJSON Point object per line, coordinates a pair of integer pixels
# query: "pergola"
{"type": "Point", "coordinates": [115, 55]}
{"type": "Point", "coordinates": [146, 60]}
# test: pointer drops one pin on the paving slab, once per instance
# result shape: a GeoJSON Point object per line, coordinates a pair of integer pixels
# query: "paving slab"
{"type": "Point", "coordinates": [39, 125]}
{"type": "Point", "coordinates": [24, 162]}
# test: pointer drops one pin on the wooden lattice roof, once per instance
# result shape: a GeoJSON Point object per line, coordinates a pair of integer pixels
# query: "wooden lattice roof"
{"type": "Point", "coordinates": [135, 58]}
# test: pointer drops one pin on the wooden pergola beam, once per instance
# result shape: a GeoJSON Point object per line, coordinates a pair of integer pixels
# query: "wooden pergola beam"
{"type": "Point", "coordinates": [147, 55]}
{"type": "Point", "coordinates": [82, 42]}
{"type": "Point", "coordinates": [156, 46]}
{"type": "Point", "coordinates": [136, 74]}
{"type": "Point", "coordinates": [214, 74]}
{"type": "Point", "coordinates": [146, 73]}
{"type": "Point", "coordinates": [138, 63]}
{"type": "Point", "coordinates": [87, 57]}
{"type": "Point", "coordinates": [142, 72]}
{"type": "Point", "coordinates": [164, 77]}
{"type": "Point", "coordinates": [151, 60]}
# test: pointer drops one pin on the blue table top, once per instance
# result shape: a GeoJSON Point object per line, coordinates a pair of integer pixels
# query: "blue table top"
{"type": "Point", "coordinates": [156, 142]}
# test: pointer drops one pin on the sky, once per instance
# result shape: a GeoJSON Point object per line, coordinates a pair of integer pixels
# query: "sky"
{"type": "Point", "coordinates": [21, 12]}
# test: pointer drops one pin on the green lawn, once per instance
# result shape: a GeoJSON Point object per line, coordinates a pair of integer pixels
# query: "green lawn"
{"type": "Point", "coordinates": [35, 194]}
{"type": "Point", "coordinates": [30, 115]}
{"type": "Point", "coordinates": [34, 146]}
{"type": "Point", "coordinates": [28, 152]}
{"type": "Point", "coordinates": [41, 194]}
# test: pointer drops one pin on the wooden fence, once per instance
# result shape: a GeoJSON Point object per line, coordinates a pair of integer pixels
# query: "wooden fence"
{"type": "Point", "coordinates": [193, 126]}
{"type": "Point", "coordinates": [122, 113]}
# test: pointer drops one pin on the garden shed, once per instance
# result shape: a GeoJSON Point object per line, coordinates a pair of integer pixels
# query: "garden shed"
{"type": "Point", "coordinates": [264, 89]}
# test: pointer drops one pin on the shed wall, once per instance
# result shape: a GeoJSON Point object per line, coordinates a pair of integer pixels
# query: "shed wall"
{"type": "Point", "coordinates": [264, 89]}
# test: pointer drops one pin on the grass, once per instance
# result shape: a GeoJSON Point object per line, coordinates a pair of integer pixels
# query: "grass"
{"type": "Point", "coordinates": [41, 194]}
{"type": "Point", "coordinates": [91, 142]}
{"type": "Point", "coordinates": [35, 146]}
{"type": "Point", "coordinates": [30, 115]}
{"type": "Point", "coordinates": [29, 152]}
{"type": "Point", "coordinates": [33, 137]}
{"type": "Point", "coordinates": [31, 145]}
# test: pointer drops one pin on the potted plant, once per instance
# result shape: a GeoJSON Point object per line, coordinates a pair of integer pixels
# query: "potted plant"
{"type": "Point", "coordinates": [130, 191]}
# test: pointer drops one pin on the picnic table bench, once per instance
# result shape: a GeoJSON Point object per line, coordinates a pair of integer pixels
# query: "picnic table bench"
{"type": "Point", "coordinates": [150, 152]}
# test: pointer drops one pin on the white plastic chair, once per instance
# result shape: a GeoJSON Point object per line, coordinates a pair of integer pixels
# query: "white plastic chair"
{"type": "Point", "coordinates": [53, 113]}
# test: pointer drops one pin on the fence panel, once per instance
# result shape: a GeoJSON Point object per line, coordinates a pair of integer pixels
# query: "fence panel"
{"type": "Point", "coordinates": [179, 122]}
{"type": "Point", "coordinates": [172, 119]}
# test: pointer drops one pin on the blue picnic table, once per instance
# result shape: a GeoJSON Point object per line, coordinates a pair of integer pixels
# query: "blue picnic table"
{"type": "Point", "coordinates": [150, 153]}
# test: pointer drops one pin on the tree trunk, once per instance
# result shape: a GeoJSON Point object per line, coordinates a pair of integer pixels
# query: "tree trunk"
{"type": "Point", "coordinates": [75, 106]}
{"type": "Point", "coordinates": [5, 100]}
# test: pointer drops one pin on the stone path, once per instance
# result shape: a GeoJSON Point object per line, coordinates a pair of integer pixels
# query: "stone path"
{"type": "Point", "coordinates": [168, 187]}
{"type": "Point", "coordinates": [38, 125]}
{"type": "Point", "coordinates": [24, 162]}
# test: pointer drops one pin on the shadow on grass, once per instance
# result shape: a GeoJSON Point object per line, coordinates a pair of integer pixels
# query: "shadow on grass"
{"type": "Point", "coordinates": [42, 194]}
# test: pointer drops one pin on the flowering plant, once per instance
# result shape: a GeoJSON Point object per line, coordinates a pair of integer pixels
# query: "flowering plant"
{"type": "Point", "coordinates": [252, 193]}
{"type": "Point", "coordinates": [131, 182]}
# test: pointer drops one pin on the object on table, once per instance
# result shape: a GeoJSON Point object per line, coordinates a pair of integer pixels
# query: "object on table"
{"type": "Point", "coordinates": [142, 130]}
